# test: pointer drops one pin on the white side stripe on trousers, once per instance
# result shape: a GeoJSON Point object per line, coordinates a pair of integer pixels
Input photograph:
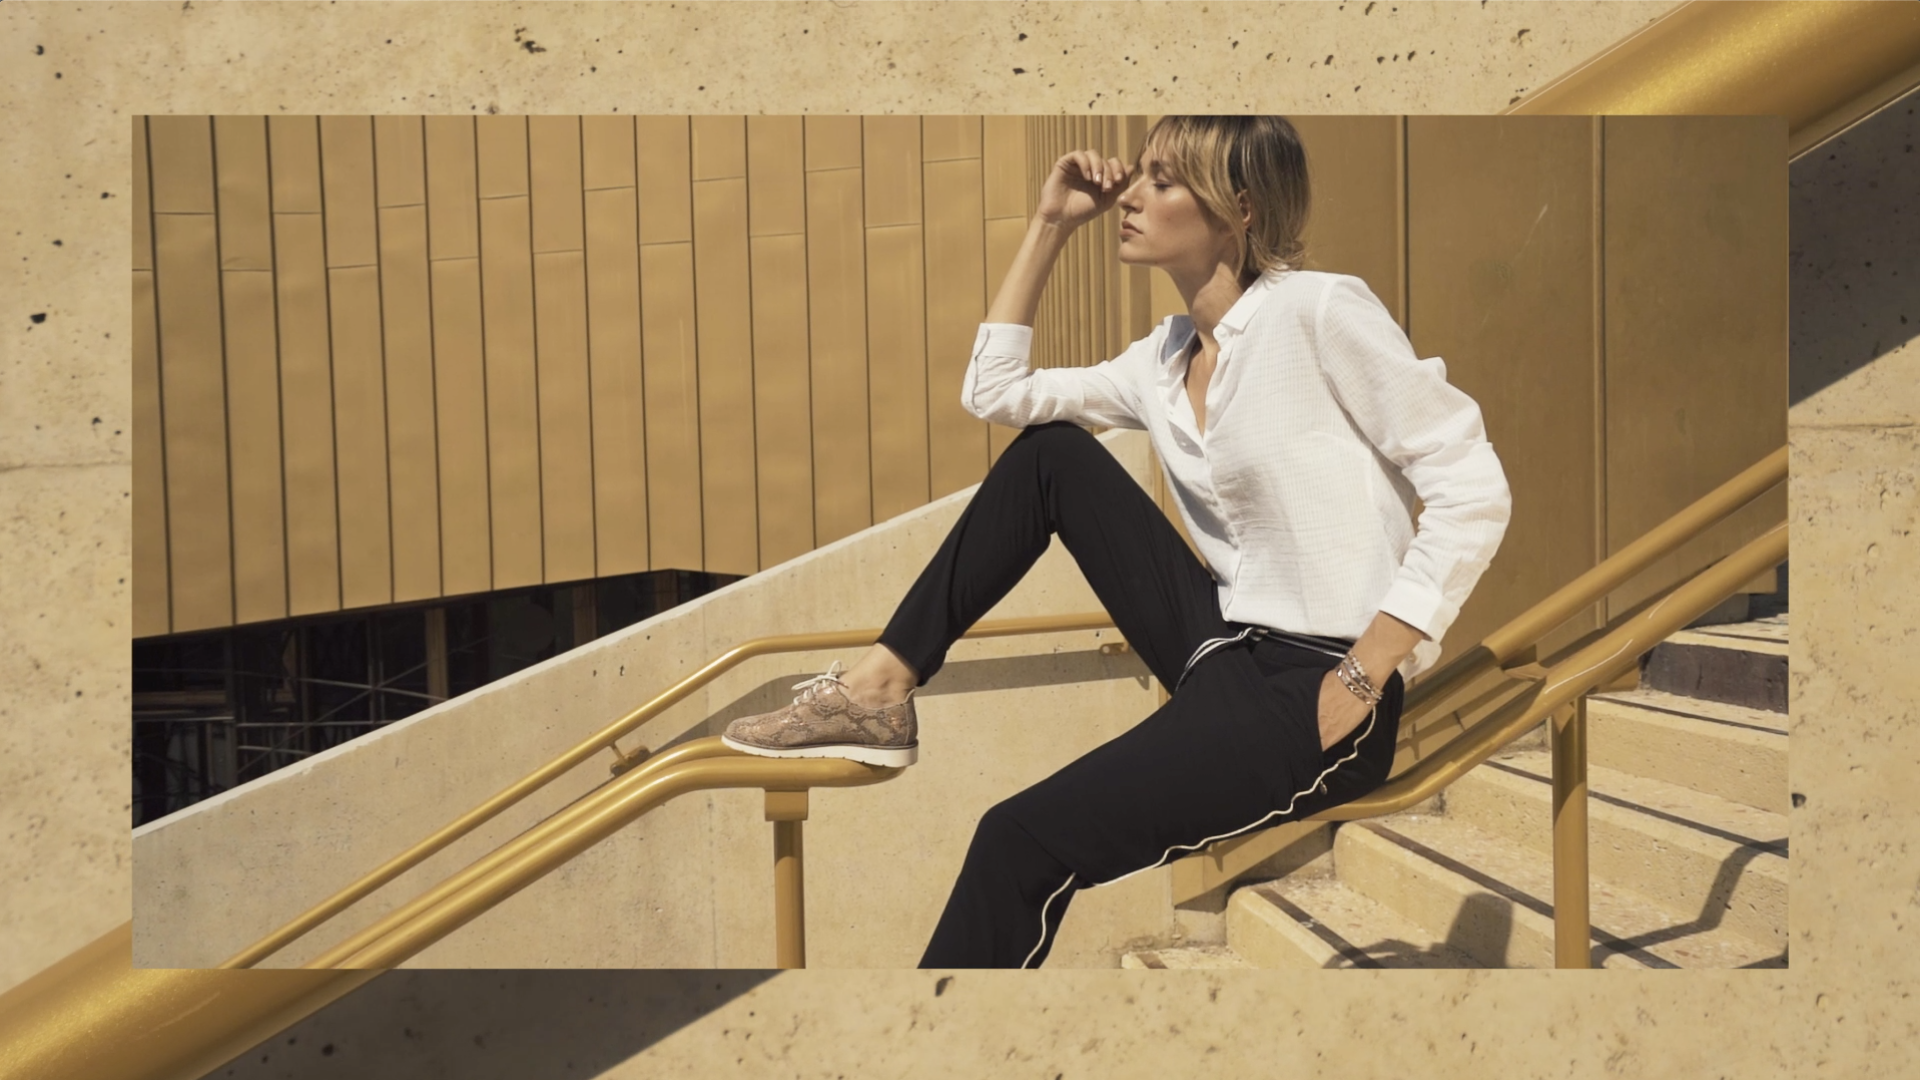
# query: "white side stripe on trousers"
{"type": "Point", "coordinates": [1206, 647]}
{"type": "Point", "coordinates": [1043, 920]}
{"type": "Point", "coordinates": [1318, 781]}
{"type": "Point", "coordinates": [1197, 845]}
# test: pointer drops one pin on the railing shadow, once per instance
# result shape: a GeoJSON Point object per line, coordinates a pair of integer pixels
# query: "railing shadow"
{"type": "Point", "coordinates": [1483, 924]}
{"type": "Point", "coordinates": [1726, 879]}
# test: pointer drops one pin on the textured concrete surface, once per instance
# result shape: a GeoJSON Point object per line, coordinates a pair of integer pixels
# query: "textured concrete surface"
{"type": "Point", "coordinates": [64, 737]}
{"type": "Point", "coordinates": [73, 73]}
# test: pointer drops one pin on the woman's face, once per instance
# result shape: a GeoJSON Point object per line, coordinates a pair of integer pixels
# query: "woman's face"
{"type": "Point", "coordinates": [1163, 224]}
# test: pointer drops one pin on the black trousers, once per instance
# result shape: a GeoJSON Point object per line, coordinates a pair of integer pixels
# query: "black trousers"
{"type": "Point", "coordinates": [1236, 747]}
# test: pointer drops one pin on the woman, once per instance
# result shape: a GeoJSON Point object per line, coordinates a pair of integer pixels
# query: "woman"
{"type": "Point", "coordinates": [1297, 427]}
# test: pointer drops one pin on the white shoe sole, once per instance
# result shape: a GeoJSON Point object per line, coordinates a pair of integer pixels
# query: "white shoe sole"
{"type": "Point", "coordinates": [897, 757]}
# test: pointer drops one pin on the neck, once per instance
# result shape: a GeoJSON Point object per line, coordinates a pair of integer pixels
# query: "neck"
{"type": "Point", "coordinates": [1208, 294]}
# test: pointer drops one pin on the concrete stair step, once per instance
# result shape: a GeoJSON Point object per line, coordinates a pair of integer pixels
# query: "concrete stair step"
{"type": "Point", "coordinates": [1741, 663]}
{"type": "Point", "coordinates": [1731, 751]}
{"type": "Point", "coordinates": [1492, 898]}
{"type": "Point", "coordinates": [1683, 849]}
{"type": "Point", "coordinates": [1317, 922]}
{"type": "Point", "coordinates": [1770, 628]}
{"type": "Point", "coordinates": [1191, 957]}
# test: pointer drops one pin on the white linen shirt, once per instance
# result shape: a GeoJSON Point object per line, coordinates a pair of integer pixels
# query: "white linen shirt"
{"type": "Point", "coordinates": [1323, 427]}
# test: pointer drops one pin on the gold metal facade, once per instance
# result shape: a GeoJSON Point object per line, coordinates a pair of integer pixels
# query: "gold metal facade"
{"type": "Point", "coordinates": [389, 359]}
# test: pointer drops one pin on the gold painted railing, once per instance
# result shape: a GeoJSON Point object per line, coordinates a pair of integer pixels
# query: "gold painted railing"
{"type": "Point", "coordinates": [1822, 66]}
{"type": "Point", "coordinates": [1510, 651]}
{"type": "Point", "coordinates": [1517, 639]}
{"type": "Point", "coordinates": [668, 775]}
{"type": "Point", "coordinates": [701, 765]}
{"type": "Point", "coordinates": [1557, 689]}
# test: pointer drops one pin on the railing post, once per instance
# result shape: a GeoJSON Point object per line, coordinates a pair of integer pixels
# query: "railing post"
{"type": "Point", "coordinates": [787, 809]}
{"type": "Point", "coordinates": [1572, 924]}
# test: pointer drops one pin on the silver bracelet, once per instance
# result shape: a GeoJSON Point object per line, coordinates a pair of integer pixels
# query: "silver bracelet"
{"type": "Point", "coordinates": [1347, 680]}
{"type": "Point", "coordinates": [1359, 673]}
{"type": "Point", "coordinates": [1354, 677]}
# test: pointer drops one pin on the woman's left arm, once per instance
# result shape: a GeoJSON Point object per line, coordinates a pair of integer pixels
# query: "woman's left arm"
{"type": "Point", "coordinates": [1434, 434]}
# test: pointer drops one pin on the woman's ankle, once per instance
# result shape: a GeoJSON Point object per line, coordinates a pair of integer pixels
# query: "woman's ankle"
{"type": "Point", "coordinates": [876, 692]}
{"type": "Point", "coordinates": [879, 679]}
{"type": "Point", "coordinates": [877, 697]}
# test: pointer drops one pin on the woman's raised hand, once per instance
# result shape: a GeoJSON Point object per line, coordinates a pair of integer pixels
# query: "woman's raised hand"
{"type": "Point", "coordinates": [1079, 188]}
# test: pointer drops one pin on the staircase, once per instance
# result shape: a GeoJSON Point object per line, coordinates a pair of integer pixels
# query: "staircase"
{"type": "Point", "coordinates": [1687, 828]}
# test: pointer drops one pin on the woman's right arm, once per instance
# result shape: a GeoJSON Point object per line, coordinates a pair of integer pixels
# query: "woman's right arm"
{"type": "Point", "coordinates": [1000, 385]}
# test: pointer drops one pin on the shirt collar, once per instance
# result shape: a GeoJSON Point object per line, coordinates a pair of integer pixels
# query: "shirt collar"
{"type": "Point", "coordinates": [1234, 322]}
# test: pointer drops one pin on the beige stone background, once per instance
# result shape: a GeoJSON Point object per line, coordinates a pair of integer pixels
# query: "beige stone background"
{"type": "Point", "coordinates": [71, 76]}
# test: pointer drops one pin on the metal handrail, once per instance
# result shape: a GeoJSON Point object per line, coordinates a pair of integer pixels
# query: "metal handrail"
{"type": "Point", "coordinates": [1525, 630]}
{"type": "Point", "coordinates": [607, 738]}
{"type": "Point", "coordinates": [708, 765]}
{"type": "Point", "coordinates": [94, 1015]}
{"type": "Point", "coordinates": [1563, 682]}
{"type": "Point", "coordinates": [1561, 693]}
{"type": "Point", "coordinates": [1516, 641]}
{"type": "Point", "coordinates": [1820, 66]}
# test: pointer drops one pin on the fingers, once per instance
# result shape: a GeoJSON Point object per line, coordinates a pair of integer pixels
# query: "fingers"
{"type": "Point", "coordinates": [1107, 175]}
{"type": "Point", "coordinates": [1089, 165]}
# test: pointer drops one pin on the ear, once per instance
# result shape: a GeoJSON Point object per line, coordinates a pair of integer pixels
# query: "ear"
{"type": "Point", "coordinates": [1246, 211]}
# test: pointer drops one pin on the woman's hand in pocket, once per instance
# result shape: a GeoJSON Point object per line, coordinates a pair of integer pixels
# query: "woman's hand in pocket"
{"type": "Point", "coordinates": [1340, 710]}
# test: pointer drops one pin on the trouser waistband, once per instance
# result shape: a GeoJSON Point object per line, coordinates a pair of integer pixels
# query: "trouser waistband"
{"type": "Point", "coordinates": [1331, 646]}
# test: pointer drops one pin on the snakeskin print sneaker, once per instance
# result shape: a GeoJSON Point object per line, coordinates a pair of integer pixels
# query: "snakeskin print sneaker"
{"type": "Point", "coordinates": [824, 721]}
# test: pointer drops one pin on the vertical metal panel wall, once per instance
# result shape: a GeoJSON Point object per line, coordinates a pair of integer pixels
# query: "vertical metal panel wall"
{"type": "Point", "coordinates": [388, 359]}
{"type": "Point", "coordinates": [1612, 291]}
{"type": "Point", "coordinates": [1503, 266]}
{"type": "Point", "coordinates": [1090, 310]}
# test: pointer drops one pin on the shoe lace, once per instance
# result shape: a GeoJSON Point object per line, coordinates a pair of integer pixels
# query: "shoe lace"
{"type": "Point", "coordinates": [808, 687]}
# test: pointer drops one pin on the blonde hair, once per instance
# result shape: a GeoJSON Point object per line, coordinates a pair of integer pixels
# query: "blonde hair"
{"type": "Point", "coordinates": [1218, 157]}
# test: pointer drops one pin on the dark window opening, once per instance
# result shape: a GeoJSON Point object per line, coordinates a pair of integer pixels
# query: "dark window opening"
{"type": "Point", "coordinates": [215, 709]}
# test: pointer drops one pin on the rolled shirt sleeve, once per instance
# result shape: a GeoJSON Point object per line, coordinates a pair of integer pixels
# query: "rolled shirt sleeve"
{"type": "Point", "coordinates": [1000, 385]}
{"type": "Point", "coordinates": [1434, 433]}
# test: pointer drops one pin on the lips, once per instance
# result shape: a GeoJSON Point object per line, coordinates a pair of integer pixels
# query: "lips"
{"type": "Point", "coordinates": [1126, 228]}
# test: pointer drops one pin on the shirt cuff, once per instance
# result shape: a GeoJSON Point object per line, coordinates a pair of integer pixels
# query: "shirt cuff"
{"type": "Point", "coordinates": [1004, 339]}
{"type": "Point", "coordinates": [1419, 606]}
